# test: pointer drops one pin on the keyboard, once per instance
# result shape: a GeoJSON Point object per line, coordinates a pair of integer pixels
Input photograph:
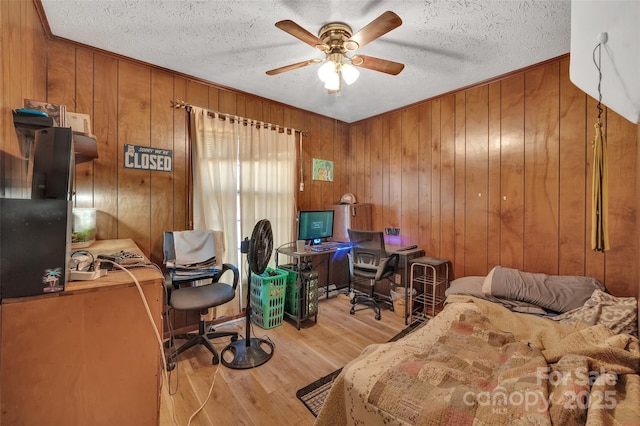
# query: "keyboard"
{"type": "Point", "coordinates": [329, 245]}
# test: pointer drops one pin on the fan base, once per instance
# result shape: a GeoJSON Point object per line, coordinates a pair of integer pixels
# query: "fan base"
{"type": "Point", "coordinates": [247, 354]}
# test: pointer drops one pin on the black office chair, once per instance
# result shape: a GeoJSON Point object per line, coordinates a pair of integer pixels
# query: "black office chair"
{"type": "Point", "coordinates": [368, 259]}
{"type": "Point", "coordinates": [184, 295]}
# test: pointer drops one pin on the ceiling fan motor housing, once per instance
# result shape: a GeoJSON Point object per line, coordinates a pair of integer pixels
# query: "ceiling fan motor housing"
{"type": "Point", "coordinates": [336, 35]}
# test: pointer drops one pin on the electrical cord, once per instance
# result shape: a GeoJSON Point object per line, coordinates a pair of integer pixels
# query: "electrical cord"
{"type": "Point", "coordinates": [165, 375]}
{"type": "Point", "coordinates": [264, 337]}
{"type": "Point", "coordinates": [90, 267]}
{"type": "Point", "coordinates": [171, 393]}
{"type": "Point", "coordinates": [213, 382]}
{"type": "Point", "coordinates": [177, 366]}
{"type": "Point", "coordinates": [168, 376]}
{"type": "Point", "coordinates": [170, 329]}
{"type": "Point", "coordinates": [153, 324]}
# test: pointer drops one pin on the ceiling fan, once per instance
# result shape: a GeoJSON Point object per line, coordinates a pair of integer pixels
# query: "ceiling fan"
{"type": "Point", "coordinates": [336, 40]}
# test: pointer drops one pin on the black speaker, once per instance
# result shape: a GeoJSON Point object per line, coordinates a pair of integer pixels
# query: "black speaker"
{"type": "Point", "coordinates": [53, 164]}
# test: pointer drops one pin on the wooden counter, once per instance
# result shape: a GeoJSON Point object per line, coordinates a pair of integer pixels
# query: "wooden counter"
{"type": "Point", "coordinates": [116, 277]}
{"type": "Point", "coordinates": [87, 355]}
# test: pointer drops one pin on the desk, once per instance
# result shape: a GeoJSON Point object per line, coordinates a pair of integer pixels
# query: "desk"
{"type": "Point", "coordinates": [290, 250]}
{"type": "Point", "coordinates": [404, 257]}
{"type": "Point", "coordinates": [329, 254]}
{"type": "Point", "coordinates": [87, 355]}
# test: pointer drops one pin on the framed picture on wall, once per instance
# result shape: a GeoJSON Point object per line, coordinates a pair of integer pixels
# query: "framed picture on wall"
{"type": "Point", "coordinates": [322, 170]}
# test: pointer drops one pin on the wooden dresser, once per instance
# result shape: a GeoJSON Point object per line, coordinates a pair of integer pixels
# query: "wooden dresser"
{"type": "Point", "coordinates": [87, 355]}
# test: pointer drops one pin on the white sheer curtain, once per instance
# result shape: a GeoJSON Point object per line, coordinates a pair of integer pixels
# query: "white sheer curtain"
{"type": "Point", "coordinates": [242, 173]}
{"type": "Point", "coordinates": [215, 156]}
{"type": "Point", "coordinates": [214, 163]}
{"type": "Point", "coordinates": [267, 181]}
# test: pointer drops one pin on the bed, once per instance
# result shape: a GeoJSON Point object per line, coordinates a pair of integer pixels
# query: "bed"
{"type": "Point", "coordinates": [509, 348]}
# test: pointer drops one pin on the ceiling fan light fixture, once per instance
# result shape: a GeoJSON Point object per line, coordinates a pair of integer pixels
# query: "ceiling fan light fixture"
{"type": "Point", "coordinates": [332, 82]}
{"type": "Point", "coordinates": [349, 73]}
{"type": "Point", "coordinates": [326, 71]}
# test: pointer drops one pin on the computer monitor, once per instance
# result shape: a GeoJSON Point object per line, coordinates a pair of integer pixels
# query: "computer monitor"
{"type": "Point", "coordinates": [315, 225]}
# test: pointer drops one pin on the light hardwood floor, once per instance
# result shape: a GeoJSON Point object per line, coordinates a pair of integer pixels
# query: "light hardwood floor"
{"type": "Point", "coordinates": [266, 395]}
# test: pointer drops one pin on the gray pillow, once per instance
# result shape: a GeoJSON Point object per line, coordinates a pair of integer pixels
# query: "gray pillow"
{"type": "Point", "coordinates": [558, 293]}
{"type": "Point", "coordinates": [472, 286]}
{"type": "Point", "coordinates": [469, 286]}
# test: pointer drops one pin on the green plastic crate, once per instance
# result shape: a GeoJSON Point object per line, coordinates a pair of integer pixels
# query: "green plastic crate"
{"type": "Point", "coordinates": [267, 297]}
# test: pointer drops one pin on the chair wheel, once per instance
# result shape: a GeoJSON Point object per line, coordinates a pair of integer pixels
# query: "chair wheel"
{"type": "Point", "coordinates": [215, 360]}
{"type": "Point", "coordinates": [378, 317]}
{"type": "Point", "coordinates": [171, 365]}
{"type": "Point", "coordinates": [353, 310]}
{"type": "Point", "coordinates": [234, 338]}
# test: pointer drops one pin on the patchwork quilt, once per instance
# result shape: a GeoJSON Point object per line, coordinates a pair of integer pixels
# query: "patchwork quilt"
{"type": "Point", "coordinates": [479, 363]}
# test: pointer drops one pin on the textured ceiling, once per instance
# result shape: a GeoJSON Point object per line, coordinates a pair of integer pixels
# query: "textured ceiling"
{"type": "Point", "coordinates": [444, 44]}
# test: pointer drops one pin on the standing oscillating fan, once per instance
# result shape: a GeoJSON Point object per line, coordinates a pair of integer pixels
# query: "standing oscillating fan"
{"type": "Point", "coordinates": [250, 352]}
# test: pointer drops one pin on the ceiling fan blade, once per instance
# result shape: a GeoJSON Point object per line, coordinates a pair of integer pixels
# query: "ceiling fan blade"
{"type": "Point", "coordinates": [293, 66]}
{"type": "Point", "coordinates": [301, 34]}
{"type": "Point", "coordinates": [374, 29]}
{"type": "Point", "coordinates": [377, 64]}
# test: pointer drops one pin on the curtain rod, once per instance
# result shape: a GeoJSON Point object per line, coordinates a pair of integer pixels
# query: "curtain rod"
{"type": "Point", "coordinates": [247, 121]}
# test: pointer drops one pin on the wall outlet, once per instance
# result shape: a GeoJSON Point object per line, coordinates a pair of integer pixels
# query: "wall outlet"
{"type": "Point", "coordinates": [392, 231]}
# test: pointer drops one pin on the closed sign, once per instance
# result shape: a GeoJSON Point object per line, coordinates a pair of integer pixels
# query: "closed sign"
{"type": "Point", "coordinates": [147, 158]}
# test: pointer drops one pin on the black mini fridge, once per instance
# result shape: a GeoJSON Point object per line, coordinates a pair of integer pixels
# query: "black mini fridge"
{"type": "Point", "coordinates": [35, 232]}
{"type": "Point", "coordinates": [35, 237]}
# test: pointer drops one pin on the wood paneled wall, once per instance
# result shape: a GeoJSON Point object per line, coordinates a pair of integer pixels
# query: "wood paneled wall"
{"type": "Point", "coordinates": [500, 174]}
{"type": "Point", "coordinates": [130, 103]}
{"type": "Point", "coordinates": [494, 174]}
